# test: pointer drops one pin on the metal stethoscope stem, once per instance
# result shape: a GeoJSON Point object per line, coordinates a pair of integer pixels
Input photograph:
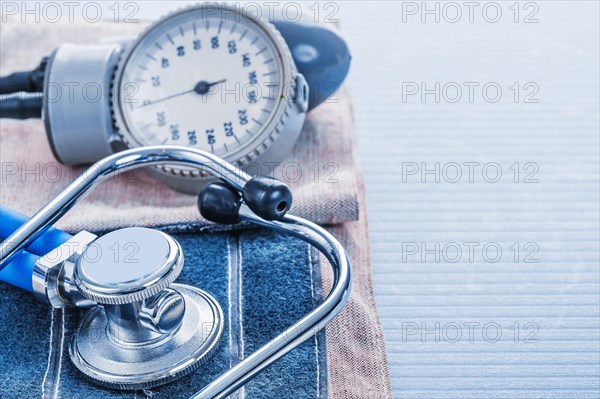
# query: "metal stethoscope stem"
{"type": "Point", "coordinates": [234, 177]}
{"type": "Point", "coordinates": [121, 162]}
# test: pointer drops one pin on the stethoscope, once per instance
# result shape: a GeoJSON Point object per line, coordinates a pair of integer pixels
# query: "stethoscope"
{"type": "Point", "coordinates": [141, 329]}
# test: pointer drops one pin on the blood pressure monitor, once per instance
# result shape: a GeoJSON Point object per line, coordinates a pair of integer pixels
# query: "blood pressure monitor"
{"type": "Point", "coordinates": [211, 79]}
{"type": "Point", "coordinates": [208, 76]}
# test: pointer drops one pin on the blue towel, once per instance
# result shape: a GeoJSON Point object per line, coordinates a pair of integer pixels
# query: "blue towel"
{"type": "Point", "coordinates": [274, 281]}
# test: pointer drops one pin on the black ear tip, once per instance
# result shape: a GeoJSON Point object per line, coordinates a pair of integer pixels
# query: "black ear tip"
{"type": "Point", "coordinates": [269, 198]}
{"type": "Point", "coordinates": [219, 203]}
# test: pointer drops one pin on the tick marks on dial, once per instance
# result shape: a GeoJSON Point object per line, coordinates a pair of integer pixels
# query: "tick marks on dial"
{"type": "Point", "coordinates": [158, 45]}
{"type": "Point", "coordinates": [268, 61]}
{"type": "Point", "coordinates": [243, 35]}
{"type": "Point", "coordinates": [220, 26]}
{"type": "Point", "coordinates": [233, 28]}
{"type": "Point", "coordinates": [143, 67]}
{"type": "Point", "coordinates": [265, 110]}
{"type": "Point", "coordinates": [236, 138]}
{"type": "Point", "coordinates": [151, 56]}
{"type": "Point", "coordinates": [256, 121]}
{"type": "Point", "coordinates": [170, 38]}
{"type": "Point", "coordinates": [261, 51]}
{"type": "Point", "coordinates": [254, 41]}
{"type": "Point", "coordinates": [207, 24]}
{"type": "Point", "coordinates": [164, 141]}
{"type": "Point", "coordinates": [181, 31]}
{"type": "Point", "coordinates": [194, 27]}
{"type": "Point", "coordinates": [146, 126]}
{"type": "Point", "coordinates": [270, 73]}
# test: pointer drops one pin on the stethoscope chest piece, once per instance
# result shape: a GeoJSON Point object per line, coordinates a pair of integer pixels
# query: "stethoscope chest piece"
{"type": "Point", "coordinates": [147, 330]}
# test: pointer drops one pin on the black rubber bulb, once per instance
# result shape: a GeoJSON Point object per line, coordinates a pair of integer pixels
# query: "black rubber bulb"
{"type": "Point", "coordinates": [220, 203]}
{"type": "Point", "coordinates": [269, 198]}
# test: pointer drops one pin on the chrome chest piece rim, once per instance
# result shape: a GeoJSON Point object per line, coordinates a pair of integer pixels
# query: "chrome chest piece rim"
{"type": "Point", "coordinates": [145, 333]}
{"type": "Point", "coordinates": [160, 362]}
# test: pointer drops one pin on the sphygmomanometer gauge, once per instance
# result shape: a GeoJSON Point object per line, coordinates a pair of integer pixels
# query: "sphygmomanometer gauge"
{"type": "Point", "coordinates": [213, 78]}
{"type": "Point", "coordinates": [219, 78]}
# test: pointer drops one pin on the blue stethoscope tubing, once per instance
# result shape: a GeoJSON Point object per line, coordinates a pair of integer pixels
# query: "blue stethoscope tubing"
{"type": "Point", "coordinates": [20, 269]}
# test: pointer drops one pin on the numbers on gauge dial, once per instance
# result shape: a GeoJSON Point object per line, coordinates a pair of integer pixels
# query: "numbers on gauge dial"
{"type": "Point", "coordinates": [212, 85]}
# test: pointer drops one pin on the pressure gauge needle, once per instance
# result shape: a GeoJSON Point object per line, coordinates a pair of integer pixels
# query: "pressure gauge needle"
{"type": "Point", "coordinates": [202, 87]}
{"type": "Point", "coordinates": [148, 102]}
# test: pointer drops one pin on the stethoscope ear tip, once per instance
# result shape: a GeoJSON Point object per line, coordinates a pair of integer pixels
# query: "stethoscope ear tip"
{"type": "Point", "coordinates": [267, 197]}
{"type": "Point", "coordinates": [220, 203]}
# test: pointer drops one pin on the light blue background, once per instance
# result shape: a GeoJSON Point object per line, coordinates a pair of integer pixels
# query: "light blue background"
{"type": "Point", "coordinates": [559, 214]}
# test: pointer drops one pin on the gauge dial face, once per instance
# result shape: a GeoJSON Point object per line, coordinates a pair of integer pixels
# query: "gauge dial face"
{"type": "Point", "coordinates": [209, 80]}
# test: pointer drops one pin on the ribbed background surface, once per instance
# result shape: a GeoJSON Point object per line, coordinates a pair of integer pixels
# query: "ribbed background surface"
{"type": "Point", "coordinates": [559, 214]}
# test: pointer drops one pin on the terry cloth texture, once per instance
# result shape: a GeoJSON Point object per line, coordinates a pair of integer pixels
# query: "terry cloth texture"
{"type": "Point", "coordinates": [242, 271]}
{"type": "Point", "coordinates": [320, 171]}
{"type": "Point", "coordinates": [355, 339]}
{"type": "Point", "coordinates": [356, 359]}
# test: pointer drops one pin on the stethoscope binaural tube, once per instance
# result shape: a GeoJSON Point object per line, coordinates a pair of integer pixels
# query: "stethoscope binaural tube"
{"type": "Point", "coordinates": [247, 210]}
{"type": "Point", "coordinates": [39, 223]}
{"type": "Point", "coordinates": [305, 328]}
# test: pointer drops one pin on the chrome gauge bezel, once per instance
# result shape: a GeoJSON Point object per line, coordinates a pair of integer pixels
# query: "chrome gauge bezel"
{"type": "Point", "coordinates": [262, 140]}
